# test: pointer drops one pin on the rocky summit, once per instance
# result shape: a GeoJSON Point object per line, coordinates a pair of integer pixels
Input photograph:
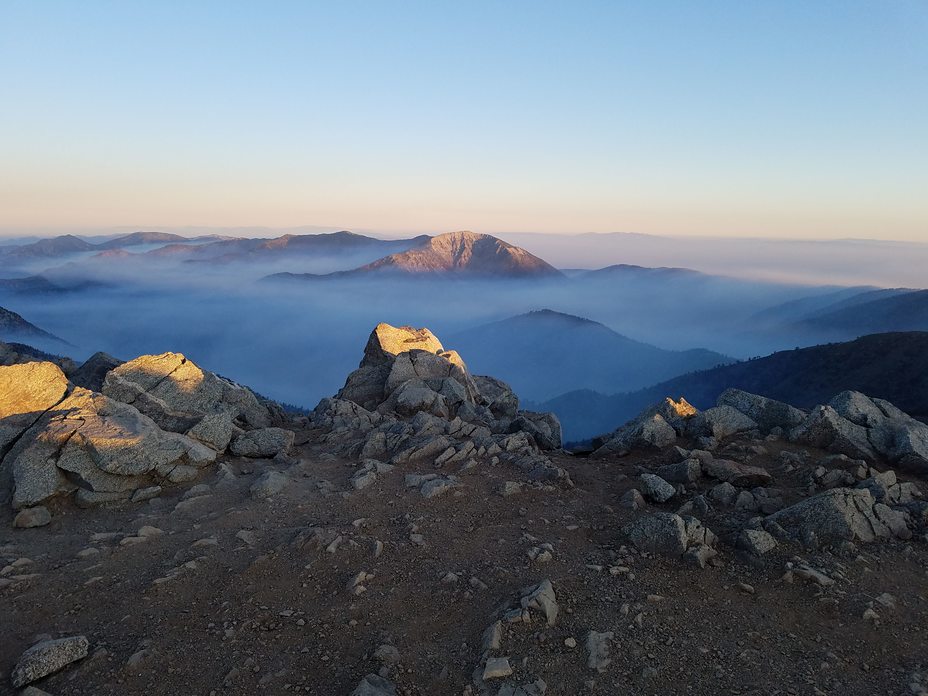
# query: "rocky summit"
{"type": "Point", "coordinates": [166, 530]}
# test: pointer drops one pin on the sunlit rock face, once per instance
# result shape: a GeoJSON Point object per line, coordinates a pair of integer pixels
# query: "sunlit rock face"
{"type": "Point", "coordinates": [465, 253]}
{"type": "Point", "coordinates": [26, 391]}
{"type": "Point", "coordinates": [386, 342]}
{"type": "Point", "coordinates": [406, 371]}
{"type": "Point", "coordinates": [175, 393]}
{"type": "Point", "coordinates": [81, 441]}
{"type": "Point", "coordinates": [160, 419]}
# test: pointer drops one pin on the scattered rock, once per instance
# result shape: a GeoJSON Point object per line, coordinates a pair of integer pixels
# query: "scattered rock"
{"type": "Point", "coordinates": [271, 483]}
{"type": "Point", "coordinates": [756, 541]}
{"type": "Point", "coordinates": [542, 598]}
{"type": "Point", "coordinates": [597, 647]}
{"type": "Point", "coordinates": [737, 474]}
{"type": "Point", "coordinates": [48, 657]}
{"type": "Point", "coordinates": [497, 668]}
{"type": "Point", "coordinates": [655, 488]}
{"type": "Point", "coordinates": [387, 655]}
{"type": "Point", "coordinates": [374, 685]}
{"type": "Point", "coordinates": [262, 443]}
{"type": "Point", "coordinates": [671, 535]}
{"type": "Point", "coordinates": [632, 500]}
{"type": "Point", "coordinates": [32, 517]}
{"type": "Point", "coordinates": [687, 471]}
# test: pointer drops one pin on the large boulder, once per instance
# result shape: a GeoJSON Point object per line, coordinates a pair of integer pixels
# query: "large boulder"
{"type": "Point", "coordinates": [649, 430]}
{"type": "Point", "coordinates": [676, 412]}
{"type": "Point", "coordinates": [720, 422]}
{"type": "Point", "coordinates": [671, 535]}
{"type": "Point", "coordinates": [841, 514]}
{"type": "Point", "coordinates": [401, 365]}
{"type": "Point", "coordinates": [545, 428]}
{"type": "Point", "coordinates": [48, 657]}
{"type": "Point", "coordinates": [499, 397]}
{"type": "Point", "coordinates": [909, 449]}
{"type": "Point", "coordinates": [736, 473]}
{"type": "Point", "coordinates": [827, 429]}
{"type": "Point", "coordinates": [863, 428]}
{"type": "Point", "coordinates": [767, 413]}
{"type": "Point", "coordinates": [857, 408]}
{"type": "Point", "coordinates": [101, 448]}
{"type": "Point", "coordinates": [27, 390]}
{"type": "Point", "coordinates": [656, 426]}
{"type": "Point", "coordinates": [177, 394]}
{"type": "Point", "coordinates": [365, 386]}
{"type": "Point", "coordinates": [444, 372]}
{"type": "Point", "coordinates": [263, 442]}
{"type": "Point", "coordinates": [386, 342]}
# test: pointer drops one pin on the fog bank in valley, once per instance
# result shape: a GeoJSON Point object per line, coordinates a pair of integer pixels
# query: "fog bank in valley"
{"type": "Point", "coordinates": [816, 262]}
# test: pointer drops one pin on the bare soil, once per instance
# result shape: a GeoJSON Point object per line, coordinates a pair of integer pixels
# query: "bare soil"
{"type": "Point", "coordinates": [276, 617]}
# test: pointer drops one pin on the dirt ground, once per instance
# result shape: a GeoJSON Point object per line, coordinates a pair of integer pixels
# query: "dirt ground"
{"type": "Point", "coordinates": [203, 609]}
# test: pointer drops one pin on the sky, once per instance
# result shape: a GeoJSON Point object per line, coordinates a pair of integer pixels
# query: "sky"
{"type": "Point", "coordinates": [777, 119]}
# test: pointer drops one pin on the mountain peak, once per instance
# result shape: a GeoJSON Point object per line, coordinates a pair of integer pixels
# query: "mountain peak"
{"type": "Point", "coordinates": [465, 253]}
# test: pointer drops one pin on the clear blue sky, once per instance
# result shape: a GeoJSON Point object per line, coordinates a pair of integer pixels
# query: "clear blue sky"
{"type": "Point", "coordinates": [800, 119]}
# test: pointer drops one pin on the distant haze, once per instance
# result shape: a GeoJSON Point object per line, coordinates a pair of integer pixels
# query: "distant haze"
{"type": "Point", "coordinates": [850, 262]}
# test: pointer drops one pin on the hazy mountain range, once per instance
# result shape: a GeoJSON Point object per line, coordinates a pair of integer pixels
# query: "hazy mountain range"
{"type": "Point", "coordinates": [14, 327]}
{"type": "Point", "coordinates": [542, 352]}
{"type": "Point", "coordinates": [152, 291]}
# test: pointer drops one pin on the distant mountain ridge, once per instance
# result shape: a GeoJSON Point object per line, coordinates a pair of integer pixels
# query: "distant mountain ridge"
{"type": "Point", "coordinates": [544, 353]}
{"type": "Point", "coordinates": [13, 325]}
{"type": "Point", "coordinates": [891, 366]}
{"type": "Point", "coordinates": [246, 249]}
{"type": "Point", "coordinates": [462, 254]}
{"type": "Point", "coordinates": [70, 244]}
{"type": "Point", "coordinates": [877, 312]}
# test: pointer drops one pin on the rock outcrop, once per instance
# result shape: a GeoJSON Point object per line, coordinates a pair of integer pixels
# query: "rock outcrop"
{"type": "Point", "coordinates": [98, 448]}
{"type": "Point", "coordinates": [865, 428]}
{"type": "Point", "coordinates": [842, 514]}
{"type": "Point", "coordinates": [851, 424]}
{"type": "Point", "coordinates": [58, 439]}
{"type": "Point", "coordinates": [411, 401]}
{"type": "Point", "coordinates": [657, 426]}
{"type": "Point", "coordinates": [766, 413]}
